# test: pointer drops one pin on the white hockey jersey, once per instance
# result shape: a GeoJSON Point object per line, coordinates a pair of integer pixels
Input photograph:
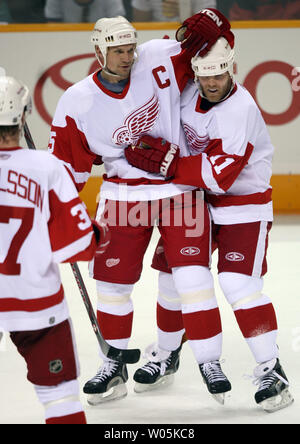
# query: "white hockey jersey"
{"type": "Point", "coordinates": [236, 164]}
{"type": "Point", "coordinates": [42, 223]}
{"type": "Point", "coordinates": [92, 122]}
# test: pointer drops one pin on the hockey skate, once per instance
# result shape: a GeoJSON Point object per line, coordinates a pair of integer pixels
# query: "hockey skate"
{"type": "Point", "coordinates": [108, 384]}
{"type": "Point", "coordinates": [272, 393]}
{"type": "Point", "coordinates": [159, 371]}
{"type": "Point", "coordinates": [217, 383]}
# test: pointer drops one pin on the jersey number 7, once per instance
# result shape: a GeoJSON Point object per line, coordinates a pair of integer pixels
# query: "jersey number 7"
{"type": "Point", "coordinates": [10, 266]}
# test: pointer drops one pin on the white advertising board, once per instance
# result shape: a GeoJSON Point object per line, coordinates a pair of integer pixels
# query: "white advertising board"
{"type": "Point", "coordinates": [268, 64]}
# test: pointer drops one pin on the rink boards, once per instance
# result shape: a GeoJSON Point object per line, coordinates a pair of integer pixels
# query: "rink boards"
{"type": "Point", "coordinates": [51, 57]}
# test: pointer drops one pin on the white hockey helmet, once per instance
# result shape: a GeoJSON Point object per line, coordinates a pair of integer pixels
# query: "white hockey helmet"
{"type": "Point", "coordinates": [14, 101]}
{"type": "Point", "coordinates": [218, 60]}
{"type": "Point", "coordinates": [114, 31]}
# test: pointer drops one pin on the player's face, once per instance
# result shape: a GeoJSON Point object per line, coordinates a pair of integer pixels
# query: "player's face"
{"type": "Point", "coordinates": [119, 60]}
{"type": "Point", "coordinates": [215, 88]}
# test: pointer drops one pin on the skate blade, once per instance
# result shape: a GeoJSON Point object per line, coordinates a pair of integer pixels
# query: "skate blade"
{"type": "Point", "coordinates": [219, 397]}
{"type": "Point", "coordinates": [117, 392]}
{"type": "Point", "coordinates": [165, 381]}
{"type": "Point", "coordinates": [279, 402]}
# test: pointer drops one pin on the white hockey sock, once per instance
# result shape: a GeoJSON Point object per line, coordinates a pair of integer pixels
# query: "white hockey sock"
{"type": "Point", "coordinates": [254, 313]}
{"type": "Point", "coordinates": [169, 317]}
{"type": "Point", "coordinates": [61, 402]}
{"type": "Point", "coordinates": [201, 316]}
{"type": "Point", "coordinates": [115, 313]}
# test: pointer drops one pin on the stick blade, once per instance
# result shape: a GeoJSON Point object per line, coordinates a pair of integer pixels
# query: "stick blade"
{"type": "Point", "coordinates": [130, 356]}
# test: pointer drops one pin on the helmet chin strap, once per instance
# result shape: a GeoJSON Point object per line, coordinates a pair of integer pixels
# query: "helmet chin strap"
{"type": "Point", "coordinates": [104, 68]}
{"type": "Point", "coordinates": [108, 71]}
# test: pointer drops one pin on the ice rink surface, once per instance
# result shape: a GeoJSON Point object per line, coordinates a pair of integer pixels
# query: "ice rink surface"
{"type": "Point", "coordinates": [187, 401]}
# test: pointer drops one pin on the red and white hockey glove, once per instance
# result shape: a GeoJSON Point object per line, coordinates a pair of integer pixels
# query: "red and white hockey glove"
{"type": "Point", "coordinates": [155, 155]}
{"type": "Point", "coordinates": [102, 235]}
{"type": "Point", "coordinates": [201, 31]}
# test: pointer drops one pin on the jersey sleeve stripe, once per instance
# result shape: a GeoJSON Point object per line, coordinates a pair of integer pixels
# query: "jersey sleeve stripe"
{"type": "Point", "coordinates": [74, 249]}
{"type": "Point", "coordinates": [79, 178]}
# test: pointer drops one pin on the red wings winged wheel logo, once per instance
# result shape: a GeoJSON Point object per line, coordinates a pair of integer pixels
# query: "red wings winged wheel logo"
{"type": "Point", "coordinates": [137, 123]}
{"type": "Point", "coordinates": [197, 144]}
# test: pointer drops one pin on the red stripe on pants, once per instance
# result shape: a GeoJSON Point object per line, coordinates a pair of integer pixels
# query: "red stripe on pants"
{"type": "Point", "coordinates": [113, 326]}
{"type": "Point", "coordinates": [169, 320]}
{"type": "Point", "coordinates": [256, 321]}
{"type": "Point", "coordinates": [203, 324]}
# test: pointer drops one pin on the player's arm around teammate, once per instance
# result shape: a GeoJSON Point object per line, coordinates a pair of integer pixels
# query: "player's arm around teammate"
{"type": "Point", "coordinates": [136, 91]}
{"type": "Point", "coordinates": [232, 159]}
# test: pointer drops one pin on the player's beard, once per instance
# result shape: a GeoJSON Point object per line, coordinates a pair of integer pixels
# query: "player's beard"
{"type": "Point", "coordinates": [221, 93]}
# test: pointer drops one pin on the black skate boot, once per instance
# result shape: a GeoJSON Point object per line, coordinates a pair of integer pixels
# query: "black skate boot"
{"type": "Point", "coordinates": [158, 371]}
{"type": "Point", "coordinates": [217, 383]}
{"type": "Point", "coordinates": [272, 393]}
{"type": "Point", "coordinates": [108, 384]}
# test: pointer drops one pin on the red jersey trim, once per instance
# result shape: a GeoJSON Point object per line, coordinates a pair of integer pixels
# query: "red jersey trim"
{"type": "Point", "coordinates": [31, 305]}
{"type": "Point", "coordinates": [15, 148]}
{"type": "Point", "coordinates": [247, 199]}
{"type": "Point", "coordinates": [135, 182]}
{"type": "Point", "coordinates": [110, 93]}
{"type": "Point", "coordinates": [85, 255]}
{"type": "Point", "coordinates": [182, 69]}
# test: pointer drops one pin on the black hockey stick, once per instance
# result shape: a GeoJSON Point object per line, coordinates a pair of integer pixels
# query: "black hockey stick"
{"type": "Point", "coordinates": [130, 356]}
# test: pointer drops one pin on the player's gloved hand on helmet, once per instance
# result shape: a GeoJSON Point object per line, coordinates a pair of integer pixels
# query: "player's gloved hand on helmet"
{"type": "Point", "coordinates": [201, 31]}
{"type": "Point", "coordinates": [102, 235]}
{"type": "Point", "coordinates": [155, 155]}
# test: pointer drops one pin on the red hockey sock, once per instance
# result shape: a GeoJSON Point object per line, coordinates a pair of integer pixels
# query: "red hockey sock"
{"type": "Point", "coordinates": [75, 418]}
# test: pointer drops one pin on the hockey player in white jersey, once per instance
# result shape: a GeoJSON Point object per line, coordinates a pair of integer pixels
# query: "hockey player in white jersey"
{"type": "Point", "coordinates": [231, 158]}
{"type": "Point", "coordinates": [42, 223]}
{"type": "Point", "coordinates": [136, 91]}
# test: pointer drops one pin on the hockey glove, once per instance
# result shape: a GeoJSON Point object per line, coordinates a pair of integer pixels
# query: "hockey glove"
{"type": "Point", "coordinates": [102, 235]}
{"type": "Point", "coordinates": [98, 161]}
{"type": "Point", "coordinates": [155, 155]}
{"type": "Point", "coordinates": [201, 31]}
